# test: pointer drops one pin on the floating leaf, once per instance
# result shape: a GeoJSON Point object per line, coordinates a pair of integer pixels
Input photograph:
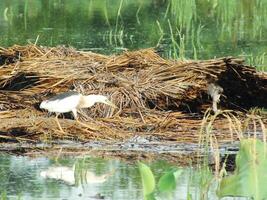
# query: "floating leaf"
{"type": "Point", "coordinates": [250, 177]}
{"type": "Point", "coordinates": [167, 182]}
{"type": "Point", "coordinates": [148, 181]}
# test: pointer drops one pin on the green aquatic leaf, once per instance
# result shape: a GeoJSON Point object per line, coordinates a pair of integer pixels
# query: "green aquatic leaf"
{"type": "Point", "coordinates": [250, 177]}
{"type": "Point", "coordinates": [167, 182]}
{"type": "Point", "coordinates": [148, 181]}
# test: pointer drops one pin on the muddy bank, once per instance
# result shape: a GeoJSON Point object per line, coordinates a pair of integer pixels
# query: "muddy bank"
{"type": "Point", "coordinates": [158, 98]}
{"type": "Point", "coordinates": [132, 150]}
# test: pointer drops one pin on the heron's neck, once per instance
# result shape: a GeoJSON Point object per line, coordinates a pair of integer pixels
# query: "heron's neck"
{"type": "Point", "coordinates": [88, 100]}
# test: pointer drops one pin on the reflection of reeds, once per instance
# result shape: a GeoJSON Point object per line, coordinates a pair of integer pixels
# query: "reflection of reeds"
{"type": "Point", "coordinates": [117, 21]}
{"type": "Point", "coordinates": [183, 13]}
{"type": "Point", "coordinates": [161, 33]}
{"type": "Point", "coordinates": [114, 38]}
{"type": "Point", "coordinates": [25, 14]}
{"type": "Point", "coordinates": [257, 60]}
{"type": "Point", "coordinates": [232, 21]}
{"type": "Point", "coordinates": [173, 53]}
{"type": "Point", "coordinates": [240, 19]}
{"type": "Point", "coordinates": [3, 195]}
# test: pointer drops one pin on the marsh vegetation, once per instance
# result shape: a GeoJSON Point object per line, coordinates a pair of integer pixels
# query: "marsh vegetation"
{"type": "Point", "coordinates": [181, 29]}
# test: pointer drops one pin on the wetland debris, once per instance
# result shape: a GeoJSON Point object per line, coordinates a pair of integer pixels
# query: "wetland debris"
{"type": "Point", "coordinates": [156, 97]}
{"type": "Point", "coordinates": [215, 92]}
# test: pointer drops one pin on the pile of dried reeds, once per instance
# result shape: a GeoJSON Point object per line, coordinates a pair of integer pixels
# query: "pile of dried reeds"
{"type": "Point", "coordinates": [158, 97]}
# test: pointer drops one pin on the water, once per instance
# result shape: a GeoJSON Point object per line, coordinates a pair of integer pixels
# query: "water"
{"type": "Point", "coordinates": [199, 29]}
{"type": "Point", "coordinates": [20, 176]}
{"type": "Point", "coordinates": [20, 179]}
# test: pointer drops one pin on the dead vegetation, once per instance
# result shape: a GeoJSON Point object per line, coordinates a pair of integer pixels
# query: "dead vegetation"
{"type": "Point", "coordinates": [155, 96]}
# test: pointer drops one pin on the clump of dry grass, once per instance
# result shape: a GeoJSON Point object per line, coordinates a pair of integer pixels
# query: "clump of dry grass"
{"type": "Point", "coordinates": [153, 95]}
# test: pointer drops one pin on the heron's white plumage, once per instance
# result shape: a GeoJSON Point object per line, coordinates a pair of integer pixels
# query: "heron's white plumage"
{"type": "Point", "coordinates": [71, 101]}
{"type": "Point", "coordinates": [66, 104]}
{"type": "Point", "coordinates": [90, 100]}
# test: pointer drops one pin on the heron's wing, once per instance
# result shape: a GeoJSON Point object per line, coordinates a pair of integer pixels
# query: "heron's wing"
{"type": "Point", "coordinates": [64, 95]}
{"type": "Point", "coordinates": [62, 105]}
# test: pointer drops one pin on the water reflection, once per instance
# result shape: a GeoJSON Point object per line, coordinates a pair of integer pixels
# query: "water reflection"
{"type": "Point", "coordinates": [91, 178]}
{"type": "Point", "coordinates": [191, 29]}
{"type": "Point", "coordinates": [67, 175]}
{"type": "Point", "coordinates": [20, 177]}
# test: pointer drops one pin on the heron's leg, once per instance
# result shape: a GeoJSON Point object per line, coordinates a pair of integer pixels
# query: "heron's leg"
{"type": "Point", "coordinates": [60, 128]}
{"type": "Point", "coordinates": [74, 111]}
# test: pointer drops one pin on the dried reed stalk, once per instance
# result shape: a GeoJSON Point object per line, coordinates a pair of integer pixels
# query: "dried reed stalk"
{"type": "Point", "coordinates": [151, 94]}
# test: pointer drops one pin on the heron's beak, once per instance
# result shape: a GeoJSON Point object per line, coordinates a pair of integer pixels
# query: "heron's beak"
{"type": "Point", "coordinates": [110, 104]}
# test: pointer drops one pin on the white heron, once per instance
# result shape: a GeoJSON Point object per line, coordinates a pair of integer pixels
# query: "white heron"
{"type": "Point", "coordinates": [72, 101]}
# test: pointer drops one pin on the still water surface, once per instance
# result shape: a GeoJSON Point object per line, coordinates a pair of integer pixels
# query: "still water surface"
{"type": "Point", "coordinates": [195, 29]}
{"type": "Point", "coordinates": [20, 177]}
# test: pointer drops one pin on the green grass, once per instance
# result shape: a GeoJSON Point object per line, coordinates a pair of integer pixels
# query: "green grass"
{"type": "Point", "coordinates": [191, 29]}
{"type": "Point", "coordinates": [185, 29]}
